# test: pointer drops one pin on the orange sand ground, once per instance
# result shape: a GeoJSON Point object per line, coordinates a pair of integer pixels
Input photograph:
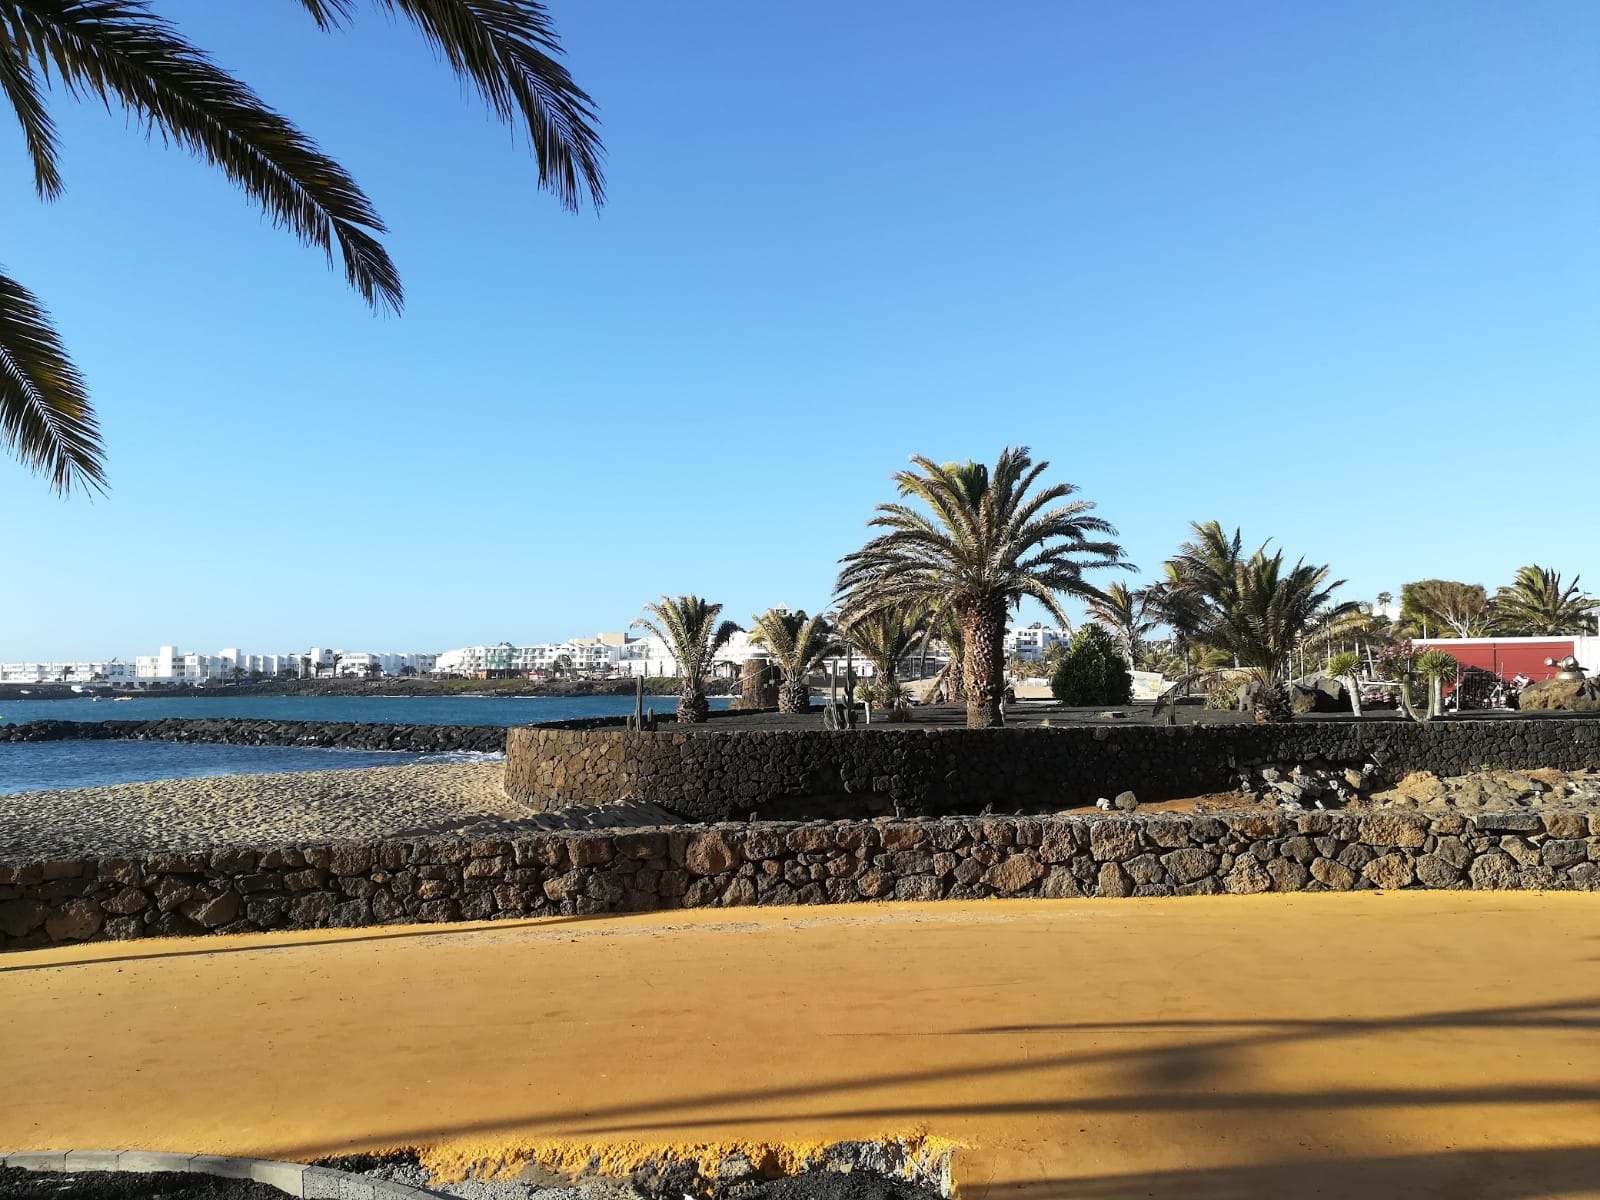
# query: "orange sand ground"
{"type": "Point", "coordinates": [1417, 1044]}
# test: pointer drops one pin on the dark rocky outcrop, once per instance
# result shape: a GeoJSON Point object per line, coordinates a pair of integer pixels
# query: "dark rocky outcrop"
{"type": "Point", "coordinates": [1561, 695]}
{"type": "Point", "coordinates": [239, 731]}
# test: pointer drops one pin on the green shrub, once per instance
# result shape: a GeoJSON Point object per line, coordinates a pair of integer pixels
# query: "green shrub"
{"type": "Point", "coordinates": [1092, 671]}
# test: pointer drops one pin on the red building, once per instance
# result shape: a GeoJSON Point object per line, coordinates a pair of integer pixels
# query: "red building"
{"type": "Point", "coordinates": [1509, 657]}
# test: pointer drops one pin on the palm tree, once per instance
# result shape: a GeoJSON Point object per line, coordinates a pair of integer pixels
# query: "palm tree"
{"type": "Point", "coordinates": [799, 644]}
{"type": "Point", "coordinates": [886, 636]}
{"type": "Point", "coordinates": [986, 545]}
{"type": "Point", "coordinates": [1128, 614]}
{"type": "Point", "coordinates": [1255, 609]}
{"type": "Point", "coordinates": [688, 625]}
{"type": "Point", "coordinates": [123, 55]}
{"type": "Point", "coordinates": [950, 680]}
{"type": "Point", "coordinates": [1537, 605]}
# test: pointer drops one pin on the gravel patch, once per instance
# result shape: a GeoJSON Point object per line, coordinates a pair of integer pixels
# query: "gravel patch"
{"type": "Point", "coordinates": [17, 1184]}
{"type": "Point", "coordinates": [857, 1184]}
{"type": "Point", "coordinates": [369, 804]}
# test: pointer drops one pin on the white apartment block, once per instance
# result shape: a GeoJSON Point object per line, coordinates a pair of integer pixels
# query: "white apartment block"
{"type": "Point", "coordinates": [112, 672]}
{"type": "Point", "coordinates": [170, 665]}
{"type": "Point", "coordinates": [616, 654]}
{"type": "Point", "coordinates": [1032, 643]}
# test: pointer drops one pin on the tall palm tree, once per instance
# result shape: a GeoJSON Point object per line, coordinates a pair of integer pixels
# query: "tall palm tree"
{"type": "Point", "coordinates": [1256, 609]}
{"type": "Point", "coordinates": [986, 544]}
{"type": "Point", "coordinates": [799, 644]}
{"type": "Point", "coordinates": [1536, 604]}
{"type": "Point", "coordinates": [886, 636]}
{"type": "Point", "coordinates": [688, 625]}
{"type": "Point", "coordinates": [120, 53]}
{"type": "Point", "coordinates": [1129, 614]}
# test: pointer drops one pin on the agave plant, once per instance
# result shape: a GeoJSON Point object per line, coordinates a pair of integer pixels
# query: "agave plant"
{"type": "Point", "coordinates": [123, 55]}
{"type": "Point", "coordinates": [799, 644]}
{"type": "Point", "coordinates": [688, 625]}
{"type": "Point", "coordinates": [988, 541]}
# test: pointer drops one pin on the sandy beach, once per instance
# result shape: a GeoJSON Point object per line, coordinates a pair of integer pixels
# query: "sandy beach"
{"type": "Point", "coordinates": [428, 799]}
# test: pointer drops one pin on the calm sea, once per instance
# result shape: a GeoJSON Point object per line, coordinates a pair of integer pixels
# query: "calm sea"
{"type": "Point", "coordinates": [39, 766]}
{"type": "Point", "coordinates": [367, 710]}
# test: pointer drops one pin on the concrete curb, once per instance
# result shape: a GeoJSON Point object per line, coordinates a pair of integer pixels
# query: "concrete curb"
{"type": "Point", "coordinates": [294, 1179]}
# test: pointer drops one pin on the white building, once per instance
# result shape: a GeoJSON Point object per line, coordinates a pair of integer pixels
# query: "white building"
{"type": "Point", "coordinates": [111, 672]}
{"type": "Point", "coordinates": [622, 654]}
{"type": "Point", "coordinates": [1033, 643]}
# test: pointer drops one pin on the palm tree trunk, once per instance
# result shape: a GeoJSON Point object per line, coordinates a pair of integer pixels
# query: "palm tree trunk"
{"type": "Point", "coordinates": [794, 696]}
{"type": "Point", "coordinates": [984, 626]}
{"type": "Point", "coordinates": [692, 703]}
{"type": "Point", "coordinates": [1271, 705]}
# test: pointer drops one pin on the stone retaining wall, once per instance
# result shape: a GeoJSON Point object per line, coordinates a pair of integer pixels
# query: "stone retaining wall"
{"type": "Point", "coordinates": [246, 890]}
{"type": "Point", "coordinates": [240, 731]}
{"type": "Point", "coordinates": [712, 775]}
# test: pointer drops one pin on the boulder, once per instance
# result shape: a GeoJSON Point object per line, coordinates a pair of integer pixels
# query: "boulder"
{"type": "Point", "coordinates": [1563, 695]}
{"type": "Point", "coordinates": [1319, 693]}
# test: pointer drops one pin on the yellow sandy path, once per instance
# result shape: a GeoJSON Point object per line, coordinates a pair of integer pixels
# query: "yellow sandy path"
{"type": "Point", "coordinates": [1368, 1046]}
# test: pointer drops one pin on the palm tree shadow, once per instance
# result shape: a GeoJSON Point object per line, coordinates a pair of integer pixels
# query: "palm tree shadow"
{"type": "Point", "coordinates": [1191, 1084]}
{"type": "Point", "coordinates": [1478, 1174]}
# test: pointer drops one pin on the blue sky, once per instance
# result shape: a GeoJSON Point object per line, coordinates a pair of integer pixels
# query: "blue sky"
{"type": "Point", "coordinates": [1330, 273]}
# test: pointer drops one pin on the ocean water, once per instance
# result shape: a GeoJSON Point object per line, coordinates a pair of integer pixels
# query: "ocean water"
{"type": "Point", "coordinates": [366, 710]}
{"type": "Point", "coordinates": [46, 766]}
{"type": "Point", "coordinates": [40, 766]}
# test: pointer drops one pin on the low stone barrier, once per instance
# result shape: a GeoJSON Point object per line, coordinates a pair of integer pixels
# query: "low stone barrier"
{"type": "Point", "coordinates": [710, 775]}
{"type": "Point", "coordinates": [247, 890]}
{"type": "Point", "coordinates": [240, 731]}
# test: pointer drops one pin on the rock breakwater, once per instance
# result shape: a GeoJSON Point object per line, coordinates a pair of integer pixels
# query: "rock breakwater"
{"type": "Point", "coordinates": [243, 731]}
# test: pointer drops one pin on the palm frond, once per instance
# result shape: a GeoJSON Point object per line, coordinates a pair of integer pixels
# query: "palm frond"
{"type": "Point", "coordinates": [118, 51]}
{"type": "Point", "coordinates": [45, 418]}
{"type": "Point", "coordinates": [21, 88]}
{"type": "Point", "coordinates": [508, 49]}
{"type": "Point", "coordinates": [688, 625]}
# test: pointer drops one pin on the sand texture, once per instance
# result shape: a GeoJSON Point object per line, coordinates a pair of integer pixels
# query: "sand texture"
{"type": "Point", "coordinates": [301, 808]}
{"type": "Point", "coordinates": [1411, 1044]}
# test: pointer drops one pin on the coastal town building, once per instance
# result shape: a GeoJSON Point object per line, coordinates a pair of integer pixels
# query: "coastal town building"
{"type": "Point", "coordinates": [615, 654]}
{"type": "Point", "coordinates": [110, 671]}
{"type": "Point", "coordinates": [1032, 643]}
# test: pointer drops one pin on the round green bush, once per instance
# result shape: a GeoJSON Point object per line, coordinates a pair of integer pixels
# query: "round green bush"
{"type": "Point", "coordinates": [1092, 671]}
